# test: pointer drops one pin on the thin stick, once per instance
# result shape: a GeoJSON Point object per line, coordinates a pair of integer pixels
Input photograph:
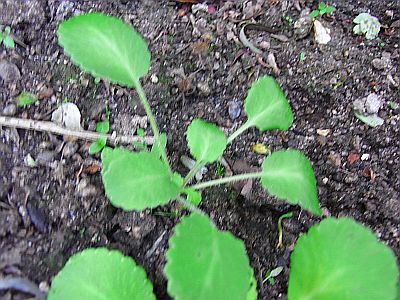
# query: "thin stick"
{"type": "Point", "coordinates": [46, 126]}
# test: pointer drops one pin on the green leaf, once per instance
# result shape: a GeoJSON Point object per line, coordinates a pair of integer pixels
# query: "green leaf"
{"type": "Point", "coordinates": [321, 6]}
{"type": "Point", "coordinates": [8, 41]}
{"type": "Point", "coordinates": [193, 196]}
{"type": "Point", "coordinates": [252, 293]}
{"type": "Point", "coordinates": [106, 47]}
{"type": "Point", "coordinates": [97, 146]}
{"type": "Point", "coordinates": [287, 174]}
{"type": "Point", "coordinates": [95, 274]}
{"type": "Point", "coordinates": [330, 9]}
{"type": "Point", "coordinates": [267, 107]}
{"type": "Point", "coordinates": [7, 29]}
{"type": "Point", "coordinates": [205, 140]}
{"type": "Point", "coordinates": [371, 120]}
{"type": "Point", "coordinates": [159, 145]}
{"type": "Point", "coordinates": [140, 132]}
{"type": "Point", "coordinates": [205, 263]}
{"type": "Point", "coordinates": [136, 180]}
{"type": "Point", "coordinates": [103, 127]}
{"type": "Point", "coordinates": [340, 259]}
{"type": "Point", "coordinates": [25, 99]}
{"type": "Point", "coordinates": [314, 14]}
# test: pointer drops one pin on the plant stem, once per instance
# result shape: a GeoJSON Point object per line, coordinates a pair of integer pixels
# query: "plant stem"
{"type": "Point", "coordinates": [190, 206]}
{"type": "Point", "coordinates": [226, 180]}
{"type": "Point", "coordinates": [152, 120]}
{"type": "Point", "coordinates": [193, 171]}
{"type": "Point", "coordinates": [239, 131]}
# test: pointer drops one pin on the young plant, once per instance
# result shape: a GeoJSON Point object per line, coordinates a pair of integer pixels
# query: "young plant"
{"type": "Point", "coordinates": [101, 127]}
{"type": "Point", "coordinates": [6, 38]}
{"type": "Point", "coordinates": [322, 10]}
{"type": "Point", "coordinates": [136, 181]}
{"type": "Point", "coordinates": [367, 25]}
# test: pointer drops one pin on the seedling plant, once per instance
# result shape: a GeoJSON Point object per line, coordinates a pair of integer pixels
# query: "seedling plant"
{"type": "Point", "coordinates": [322, 10]}
{"type": "Point", "coordinates": [6, 38]}
{"type": "Point", "coordinates": [145, 179]}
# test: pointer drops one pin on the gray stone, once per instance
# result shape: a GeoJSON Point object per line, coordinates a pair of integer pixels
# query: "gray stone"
{"type": "Point", "coordinates": [373, 103]}
{"type": "Point", "coordinates": [9, 72]}
{"type": "Point", "coordinates": [10, 110]}
{"type": "Point", "coordinates": [14, 12]}
{"type": "Point", "coordinates": [380, 63]}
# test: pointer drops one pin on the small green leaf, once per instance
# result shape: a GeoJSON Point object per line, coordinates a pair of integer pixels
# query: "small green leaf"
{"type": "Point", "coordinates": [193, 196]}
{"type": "Point", "coordinates": [330, 9]}
{"type": "Point", "coordinates": [97, 146]}
{"type": "Point", "coordinates": [205, 140]}
{"type": "Point", "coordinates": [271, 274]}
{"type": "Point", "coordinates": [217, 260]}
{"type": "Point", "coordinates": [159, 145]}
{"type": "Point", "coordinates": [314, 14]}
{"type": "Point", "coordinates": [106, 47]}
{"type": "Point", "coordinates": [371, 120]}
{"type": "Point", "coordinates": [7, 29]}
{"type": "Point", "coordinates": [140, 132]}
{"type": "Point", "coordinates": [8, 41]}
{"type": "Point", "coordinates": [321, 6]}
{"type": "Point", "coordinates": [267, 107]}
{"type": "Point", "coordinates": [25, 99]}
{"type": "Point", "coordinates": [136, 180]}
{"type": "Point", "coordinates": [103, 127]}
{"type": "Point", "coordinates": [95, 274]}
{"type": "Point", "coordinates": [287, 174]}
{"type": "Point", "coordinates": [341, 259]}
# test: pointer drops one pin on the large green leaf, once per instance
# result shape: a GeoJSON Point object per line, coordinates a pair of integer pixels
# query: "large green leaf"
{"type": "Point", "coordinates": [204, 263]}
{"type": "Point", "coordinates": [106, 47]}
{"type": "Point", "coordinates": [340, 259]}
{"type": "Point", "coordinates": [287, 174]}
{"type": "Point", "coordinates": [100, 274]}
{"type": "Point", "coordinates": [205, 140]}
{"type": "Point", "coordinates": [136, 180]}
{"type": "Point", "coordinates": [266, 106]}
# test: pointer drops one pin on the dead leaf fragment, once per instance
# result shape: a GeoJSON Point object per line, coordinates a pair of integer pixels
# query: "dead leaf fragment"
{"type": "Point", "coordinates": [260, 149]}
{"type": "Point", "coordinates": [352, 158]}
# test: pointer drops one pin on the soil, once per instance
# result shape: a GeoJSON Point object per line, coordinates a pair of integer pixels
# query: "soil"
{"type": "Point", "coordinates": [51, 211]}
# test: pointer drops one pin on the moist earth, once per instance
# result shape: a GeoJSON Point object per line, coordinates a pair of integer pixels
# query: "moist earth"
{"type": "Point", "coordinates": [199, 69]}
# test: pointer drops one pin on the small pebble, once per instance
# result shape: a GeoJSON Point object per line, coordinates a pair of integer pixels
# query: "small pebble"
{"type": "Point", "coordinates": [46, 157]}
{"type": "Point", "coordinates": [154, 78]}
{"type": "Point", "coordinates": [373, 103]}
{"type": "Point", "coordinates": [380, 64]}
{"type": "Point", "coordinates": [9, 72]}
{"type": "Point", "coordinates": [365, 156]}
{"type": "Point", "coordinates": [234, 110]}
{"type": "Point", "coordinates": [10, 110]}
{"type": "Point", "coordinates": [70, 149]}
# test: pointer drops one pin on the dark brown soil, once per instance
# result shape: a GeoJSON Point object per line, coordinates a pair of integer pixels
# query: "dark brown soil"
{"type": "Point", "coordinates": [54, 210]}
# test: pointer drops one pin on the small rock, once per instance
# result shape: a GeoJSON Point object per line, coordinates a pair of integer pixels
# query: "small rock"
{"type": "Point", "coordinates": [37, 217]}
{"type": "Point", "coordinates": [85, 189]}
{"type": "Point", "coordinates": [335, 159]}
{"type": "Point", "coordinates": [323, 132]}
{"type": "Point", "coordinates": [45, 158]}
{"type": "Point", "coordinates": [302, 26]}
{"type": "Point", "coordinates": [365, 156]}
{"type": "Point", "coordinates": [204, 88]}
{"type": "Point", "coordinates": [10, 110]}
{"type": "Point", "coordinates": [233, 110]}
{"type": "Point", "coordinates": [45, 92]}
{"type": "Point", "coordinates": [373, 103]}
{"type": "Point", "coordinates": [70, 149]}
{"type": "Point", "coordinates": [380, 63]}
{"type": "Point", "coordinates": [321, 34]}
{"type": "Point", "coordinates": [67, 115]}
{"type": "Point", "coordinates": [154, 78]}
{"type": "Point", "coordinates": [9, 72]}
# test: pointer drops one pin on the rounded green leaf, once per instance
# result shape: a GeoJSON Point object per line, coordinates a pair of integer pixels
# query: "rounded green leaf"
{"type": "Point", "coordinates": [106, 47]}
{"type": "Point", "coordinates": [287, 174]}
{"type": "Point", "coordinates": [204, 263]}
{"type": "Point", "coordinates": [97, 274]}
{"type": "Point", "coordinates": [340, 259]}
{"type": "Point", "coordinates": [266, 106]}
{"type": "Point", "coordinates": [136, 180]}
{"type": "Point", "coordinates": [205, 140]}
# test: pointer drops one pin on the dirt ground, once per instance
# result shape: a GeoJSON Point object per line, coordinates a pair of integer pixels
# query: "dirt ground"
{"type": "Point", "coordinates": [199, 69]}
